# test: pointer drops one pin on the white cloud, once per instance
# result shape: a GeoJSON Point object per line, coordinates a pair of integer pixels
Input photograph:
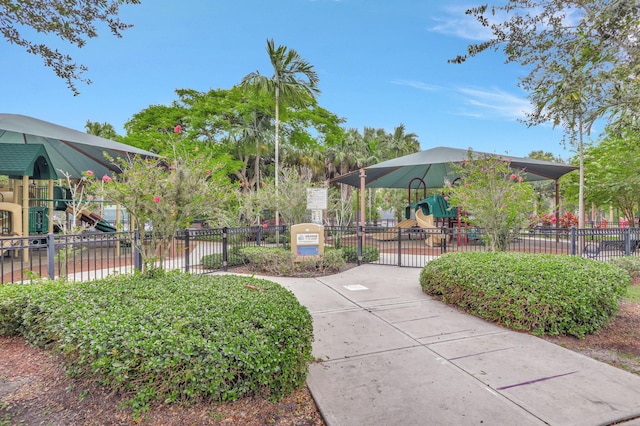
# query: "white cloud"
{"type": "Point", "coordinates": [458, 24]}
{"type": "Point", "coordinates": [416, 85]}
{"type": "Point", "coordinates": [493, 104]}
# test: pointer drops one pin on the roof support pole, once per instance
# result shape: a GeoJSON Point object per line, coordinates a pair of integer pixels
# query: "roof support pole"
{"type": "Point", "coordinates": [25, 216]}
{"type": "Point", "coordinates": [362, 194]}
{"type": "Point", "coordinates": [50, 205]}
{"type": "Point", "coordinates": [557, 207]}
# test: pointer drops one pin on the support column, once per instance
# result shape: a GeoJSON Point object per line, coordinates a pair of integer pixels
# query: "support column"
{"type": "Point", "coordinates": [25, 214]}
{"type": "Point", "coordinates": [362, 196]}
{"type": "Point", "coordinates": [50, 205]}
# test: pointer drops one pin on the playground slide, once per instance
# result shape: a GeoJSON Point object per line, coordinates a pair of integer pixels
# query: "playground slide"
{"type": "Point", "coordinates": [93, 220]}
{"type": "Point", "coordinates": [392, 234]}
{"type": "Point", "coordinates": [426, 222]}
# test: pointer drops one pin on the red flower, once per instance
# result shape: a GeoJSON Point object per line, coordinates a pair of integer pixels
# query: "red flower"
{"type": "Point", "coordinates": [520, 179]}
{"type": "Point", "coordinates": [156, 199]}
{"type": "Point", "coordinates": [106, 178]}
{"type": "Point", "coordinates": [208, 171]}
{"type": "Point", "coordinates": [89, 173]}
{"type": "Point", "coordinates": [178, 129]}
{"type": "Point", "coordinates": [512, 177]}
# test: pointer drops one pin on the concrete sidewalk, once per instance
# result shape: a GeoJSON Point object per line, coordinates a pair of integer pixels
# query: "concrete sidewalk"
{"type": "Point", "coordinates": [393, 356]}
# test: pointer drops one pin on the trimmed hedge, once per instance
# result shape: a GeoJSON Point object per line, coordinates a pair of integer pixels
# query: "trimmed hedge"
{"type": "Point", "coordinates": [280, 262]}
{"type": "Point", "coordinates": [630, 264]}
{"type": "Point", "coordinates": [369, 253]}
{"type": "Point", "coordinates": [538, 293]}
{"type": "Point", "coordinates": [177, 338]}
{"type": "Point", "coordinates": [214, 261]}
{"type": "Point", "coordinates": [273, 261]}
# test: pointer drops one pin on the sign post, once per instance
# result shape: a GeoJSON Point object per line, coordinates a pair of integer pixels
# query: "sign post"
{"type": "Point", "coordinates": [317, 202]}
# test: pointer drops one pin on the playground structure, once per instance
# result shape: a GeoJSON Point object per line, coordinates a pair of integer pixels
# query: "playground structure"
{"type": "Point", "coordinates": [430, 213]}
{"type": "Point", "coordinates": [41, 211]}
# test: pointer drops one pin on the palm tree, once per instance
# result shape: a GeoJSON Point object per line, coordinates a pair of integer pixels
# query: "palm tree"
{"type": "Point", "coordinates": [293, 82]}
{"type": "Point", "coordinates": [104, 130]}
{"type": "Point", "coordinates": [401, 143]}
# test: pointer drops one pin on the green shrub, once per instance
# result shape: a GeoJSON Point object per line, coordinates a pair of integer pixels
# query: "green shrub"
{"type": "Point", "coordinates": [17, 303]}
{"type": "Point", "coordinates": [629, 264]}
{"type": "Point", "coordinates": [273, 261]}
{"type": "Point", "coordinates": [278, 261]}
{"type": "Point", "coordinates": [214, 261]}
{"type": "Point", "coordinates": [369, 254]}
{"type": "Point", "coordinates": [542, 294]}
{"type": "Point", "coordinates": [180, 338]}
{"type": "Point", "coordinates": [333, 260]}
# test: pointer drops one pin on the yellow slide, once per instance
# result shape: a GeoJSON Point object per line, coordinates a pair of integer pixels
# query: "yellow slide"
{"type": "Point", "coordinates": [426, 222]}
{"type": "Point", "coordinates": [392, 233]}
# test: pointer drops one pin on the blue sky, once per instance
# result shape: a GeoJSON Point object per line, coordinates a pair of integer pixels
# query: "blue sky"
{"type": "Point", "coordinates": [381, 63]}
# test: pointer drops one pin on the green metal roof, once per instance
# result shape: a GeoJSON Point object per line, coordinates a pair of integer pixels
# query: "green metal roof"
{"type": "Point", "coordinates": [434, 167]}
{"type": "Point", "coordinates": [70, 151]}
{"type": "Point", "coordinates": [18, 160]}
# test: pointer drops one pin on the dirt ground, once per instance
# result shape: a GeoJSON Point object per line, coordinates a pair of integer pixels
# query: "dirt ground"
{"type": "Point", "coordinates": [34, 389]}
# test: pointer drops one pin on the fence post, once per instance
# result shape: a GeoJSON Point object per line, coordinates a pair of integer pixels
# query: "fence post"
{"type": "Point", "coordinates": [399, 246]}
{"type": "Point", "coordinates": [627, 241]}
{"type": "Point", "coordinates": [225, 248]}
{"type": "Point", "coordinates": [443, 242]}
{"type": "Point", "coordinates": [137, 255]}
{"type": "Point", "coordinates": [51, 259]}
{"type": "Point", "coordinates": [359, 240]}
{"type": "Point", "coordinates": [187, 250]}
{"type": "Point", "coordinates": [259, 235]}
{"type": "Point", "coordinates": [572, 240]}
{"type": "Point", "coordinates": [284, 237]}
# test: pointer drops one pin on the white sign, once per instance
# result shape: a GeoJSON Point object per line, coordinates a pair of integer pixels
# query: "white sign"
{"type": "Point", "coordinates": [316, 217]}
{"type": "Point", "coordinates": [317, 198]}
{"type": "Point", "coordinates": [307, 239]}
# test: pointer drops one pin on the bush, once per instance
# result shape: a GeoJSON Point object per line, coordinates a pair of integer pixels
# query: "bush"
{"type": "Point", "coordinates": [538, 293]}
{"type": "Point", "coordinates": [333, 260]}
{"type": "Point", "coordinates": [214, 261]}
{"type": "Point", "coordinates": [180, 338]}
{"type": "Point", "coordinates": [278, 262]}
{"type": "Point", "coordinates": [369, 254]}
{"type": "Point", "coordinates": [273, 261]}
{"type": "Point", "coordinates": [629, 264]}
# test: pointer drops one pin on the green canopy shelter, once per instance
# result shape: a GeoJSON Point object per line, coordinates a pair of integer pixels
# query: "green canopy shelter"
{"type": "Point", "coordinates": [435, 168]}
{"type": "Point", "coordinates": [69, 151]}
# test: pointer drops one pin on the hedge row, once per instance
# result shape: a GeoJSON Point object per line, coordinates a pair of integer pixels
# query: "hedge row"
{"type": "Point", "coordinates": [175, 338]}
{"type": "Point", "coordinates": [542, 294]}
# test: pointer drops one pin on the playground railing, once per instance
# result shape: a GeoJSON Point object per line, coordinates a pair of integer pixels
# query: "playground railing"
{"type": "Point", "coordinates": [94, 255]}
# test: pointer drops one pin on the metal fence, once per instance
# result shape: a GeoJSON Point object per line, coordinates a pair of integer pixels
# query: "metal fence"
{"type": "Point", "coordinates": [93, 255]}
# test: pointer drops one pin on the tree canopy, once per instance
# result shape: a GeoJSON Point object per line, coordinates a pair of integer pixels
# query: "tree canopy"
{"type": "Point", "coordinates": [578, 52]}
{"type": "Point", "coordinates": [73, 21]}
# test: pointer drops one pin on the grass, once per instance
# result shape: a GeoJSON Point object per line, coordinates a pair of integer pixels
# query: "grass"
{"type": "Point", "coordinates": [633, 294]}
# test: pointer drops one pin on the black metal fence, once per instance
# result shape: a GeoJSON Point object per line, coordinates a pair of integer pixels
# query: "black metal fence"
{"type": "Point", "coordinates": [93, 255]}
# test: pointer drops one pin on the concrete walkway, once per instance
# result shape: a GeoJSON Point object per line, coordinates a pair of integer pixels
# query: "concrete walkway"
{"type": "Point", "coordinates": [390, 355]}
